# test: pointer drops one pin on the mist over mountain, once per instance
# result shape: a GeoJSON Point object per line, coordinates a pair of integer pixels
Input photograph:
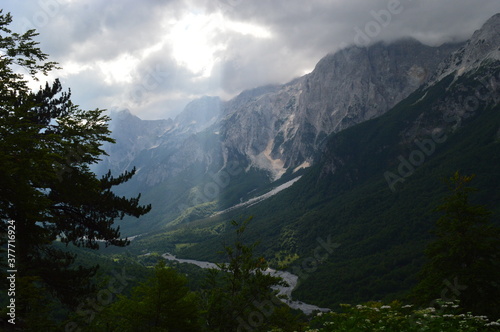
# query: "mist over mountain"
{"type": "Point", "coordinates": [276, 128]}
{"type": "Point", "coordinates": [268, 131]}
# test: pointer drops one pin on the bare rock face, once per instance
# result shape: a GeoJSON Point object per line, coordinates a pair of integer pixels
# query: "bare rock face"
{"type": "Point", "coordinates": [253, 122]}
{"type": "Point", "coordinates": [277, 128]}
{"type": "Point", "coordinates": [160, 148]}
{"type": "Point", "coordinates": [133, 136]}
{"type": "Point", "coordinates": [478, 60]}
{"type": "Point", "coordinates": [198, 115]}
{"type": "Point", "coordinates": [282, 127]}
{"type": "Point", "coordinates": [484, 45]}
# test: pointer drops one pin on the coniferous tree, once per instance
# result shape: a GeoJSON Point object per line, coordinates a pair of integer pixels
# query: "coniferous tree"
{"type": "Point", "coordinates": [463, 262]}
{"type": "Point", "coordinates": [162, 303]}
{"type": "Point", "coordinates": [47, 189]}
{"type": "Point", "coordinates": [238, 294]}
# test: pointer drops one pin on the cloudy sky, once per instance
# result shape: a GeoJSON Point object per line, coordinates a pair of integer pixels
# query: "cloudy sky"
{"type": "Point", "coordinates": [154, 56]}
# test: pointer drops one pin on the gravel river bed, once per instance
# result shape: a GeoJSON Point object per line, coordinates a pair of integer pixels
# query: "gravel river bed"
{"type": "Point", "coordinates": [289, 278]}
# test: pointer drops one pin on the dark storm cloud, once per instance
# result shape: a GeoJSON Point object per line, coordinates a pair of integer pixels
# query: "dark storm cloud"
{"type": "Point", "coordinates": [322, 26]}
{"type": "Point", "coordinates": [88, 37]}
{"type": "Point", "coordinates": [95, 29]}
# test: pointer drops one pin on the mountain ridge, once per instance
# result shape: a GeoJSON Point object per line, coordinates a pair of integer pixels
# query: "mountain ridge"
{"type": "Point", "coordinates": [372, 187]}
{"type": "Point", "coordinates": [275, 130]}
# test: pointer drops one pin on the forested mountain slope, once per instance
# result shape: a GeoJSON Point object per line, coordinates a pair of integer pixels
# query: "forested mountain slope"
{"type": "Point", "coordinates": [368, 202]}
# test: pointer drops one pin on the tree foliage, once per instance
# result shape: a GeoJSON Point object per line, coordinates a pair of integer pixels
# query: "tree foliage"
{"type": "Point", "coordinates": [237, 289]}
{"type": "Point", "coordinates": [162, 303]}
{"type": "Point", "coordinates": [463, 261]}
{"type": "Point", "coordinates": [47, 145]}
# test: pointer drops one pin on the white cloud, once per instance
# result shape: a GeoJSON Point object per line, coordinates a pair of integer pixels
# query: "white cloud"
{"type": "Point", "coordinates": [154, 56]}
{"type": "Point", "coordinates": [249, 29]}
{"type": "Point", "coordinates": [118, 70]}
{"type": "Point", "coordinates": [193, 44]}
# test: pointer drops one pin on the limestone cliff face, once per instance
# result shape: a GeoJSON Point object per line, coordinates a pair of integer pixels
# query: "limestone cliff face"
{"type": "Point", "coordinates": [278, 127]}
{"type": "Point", "coordinates": [197, 116]}
{"type": "Point", "coordinates": [355, 85]}
{"type": "Point", "coordinates": [133, 136]}
{"type": "Point", "coordinates": [160, 149]}
{"type": "Point", "coordinates": [281, 127]}
{"type": "Point", "coordinates": [464, 84]}
{"type": "Point", "coordinates": [253, 124]}
{"type": "Point", "coordinates": [483, 46]}
{"type": "Point", "coordinates": [478, 60]}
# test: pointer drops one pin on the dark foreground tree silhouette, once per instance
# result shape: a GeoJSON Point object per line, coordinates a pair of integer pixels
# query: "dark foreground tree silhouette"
{"type": "Point", "coordinates": [47, 190]}
{"type": "Point", "coordinates": [162, 303]}
{"type": "Point", "coordinates": [238, 295]}
{"type": "Point", "coordinates": [463, 262]}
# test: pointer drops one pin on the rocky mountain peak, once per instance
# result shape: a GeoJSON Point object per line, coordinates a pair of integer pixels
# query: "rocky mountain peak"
{"type": "Point", "coordinates": [199, 114]}
{"type": "Point", "coordinates": [133, 135]}
{"type": "Point", "coordinates": [484, 45]}
{"type": "Point", "coordinates": [281, 127]}
{"type": "Point", "coordinates": [349, 87]}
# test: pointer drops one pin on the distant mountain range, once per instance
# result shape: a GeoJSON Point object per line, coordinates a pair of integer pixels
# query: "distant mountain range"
{"type": "Point", "coordinates": [267, 131]}
{"type": "Point", "coordinates": [371, 131]}
{"type": "Point", "coordinates": [280, 127]}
